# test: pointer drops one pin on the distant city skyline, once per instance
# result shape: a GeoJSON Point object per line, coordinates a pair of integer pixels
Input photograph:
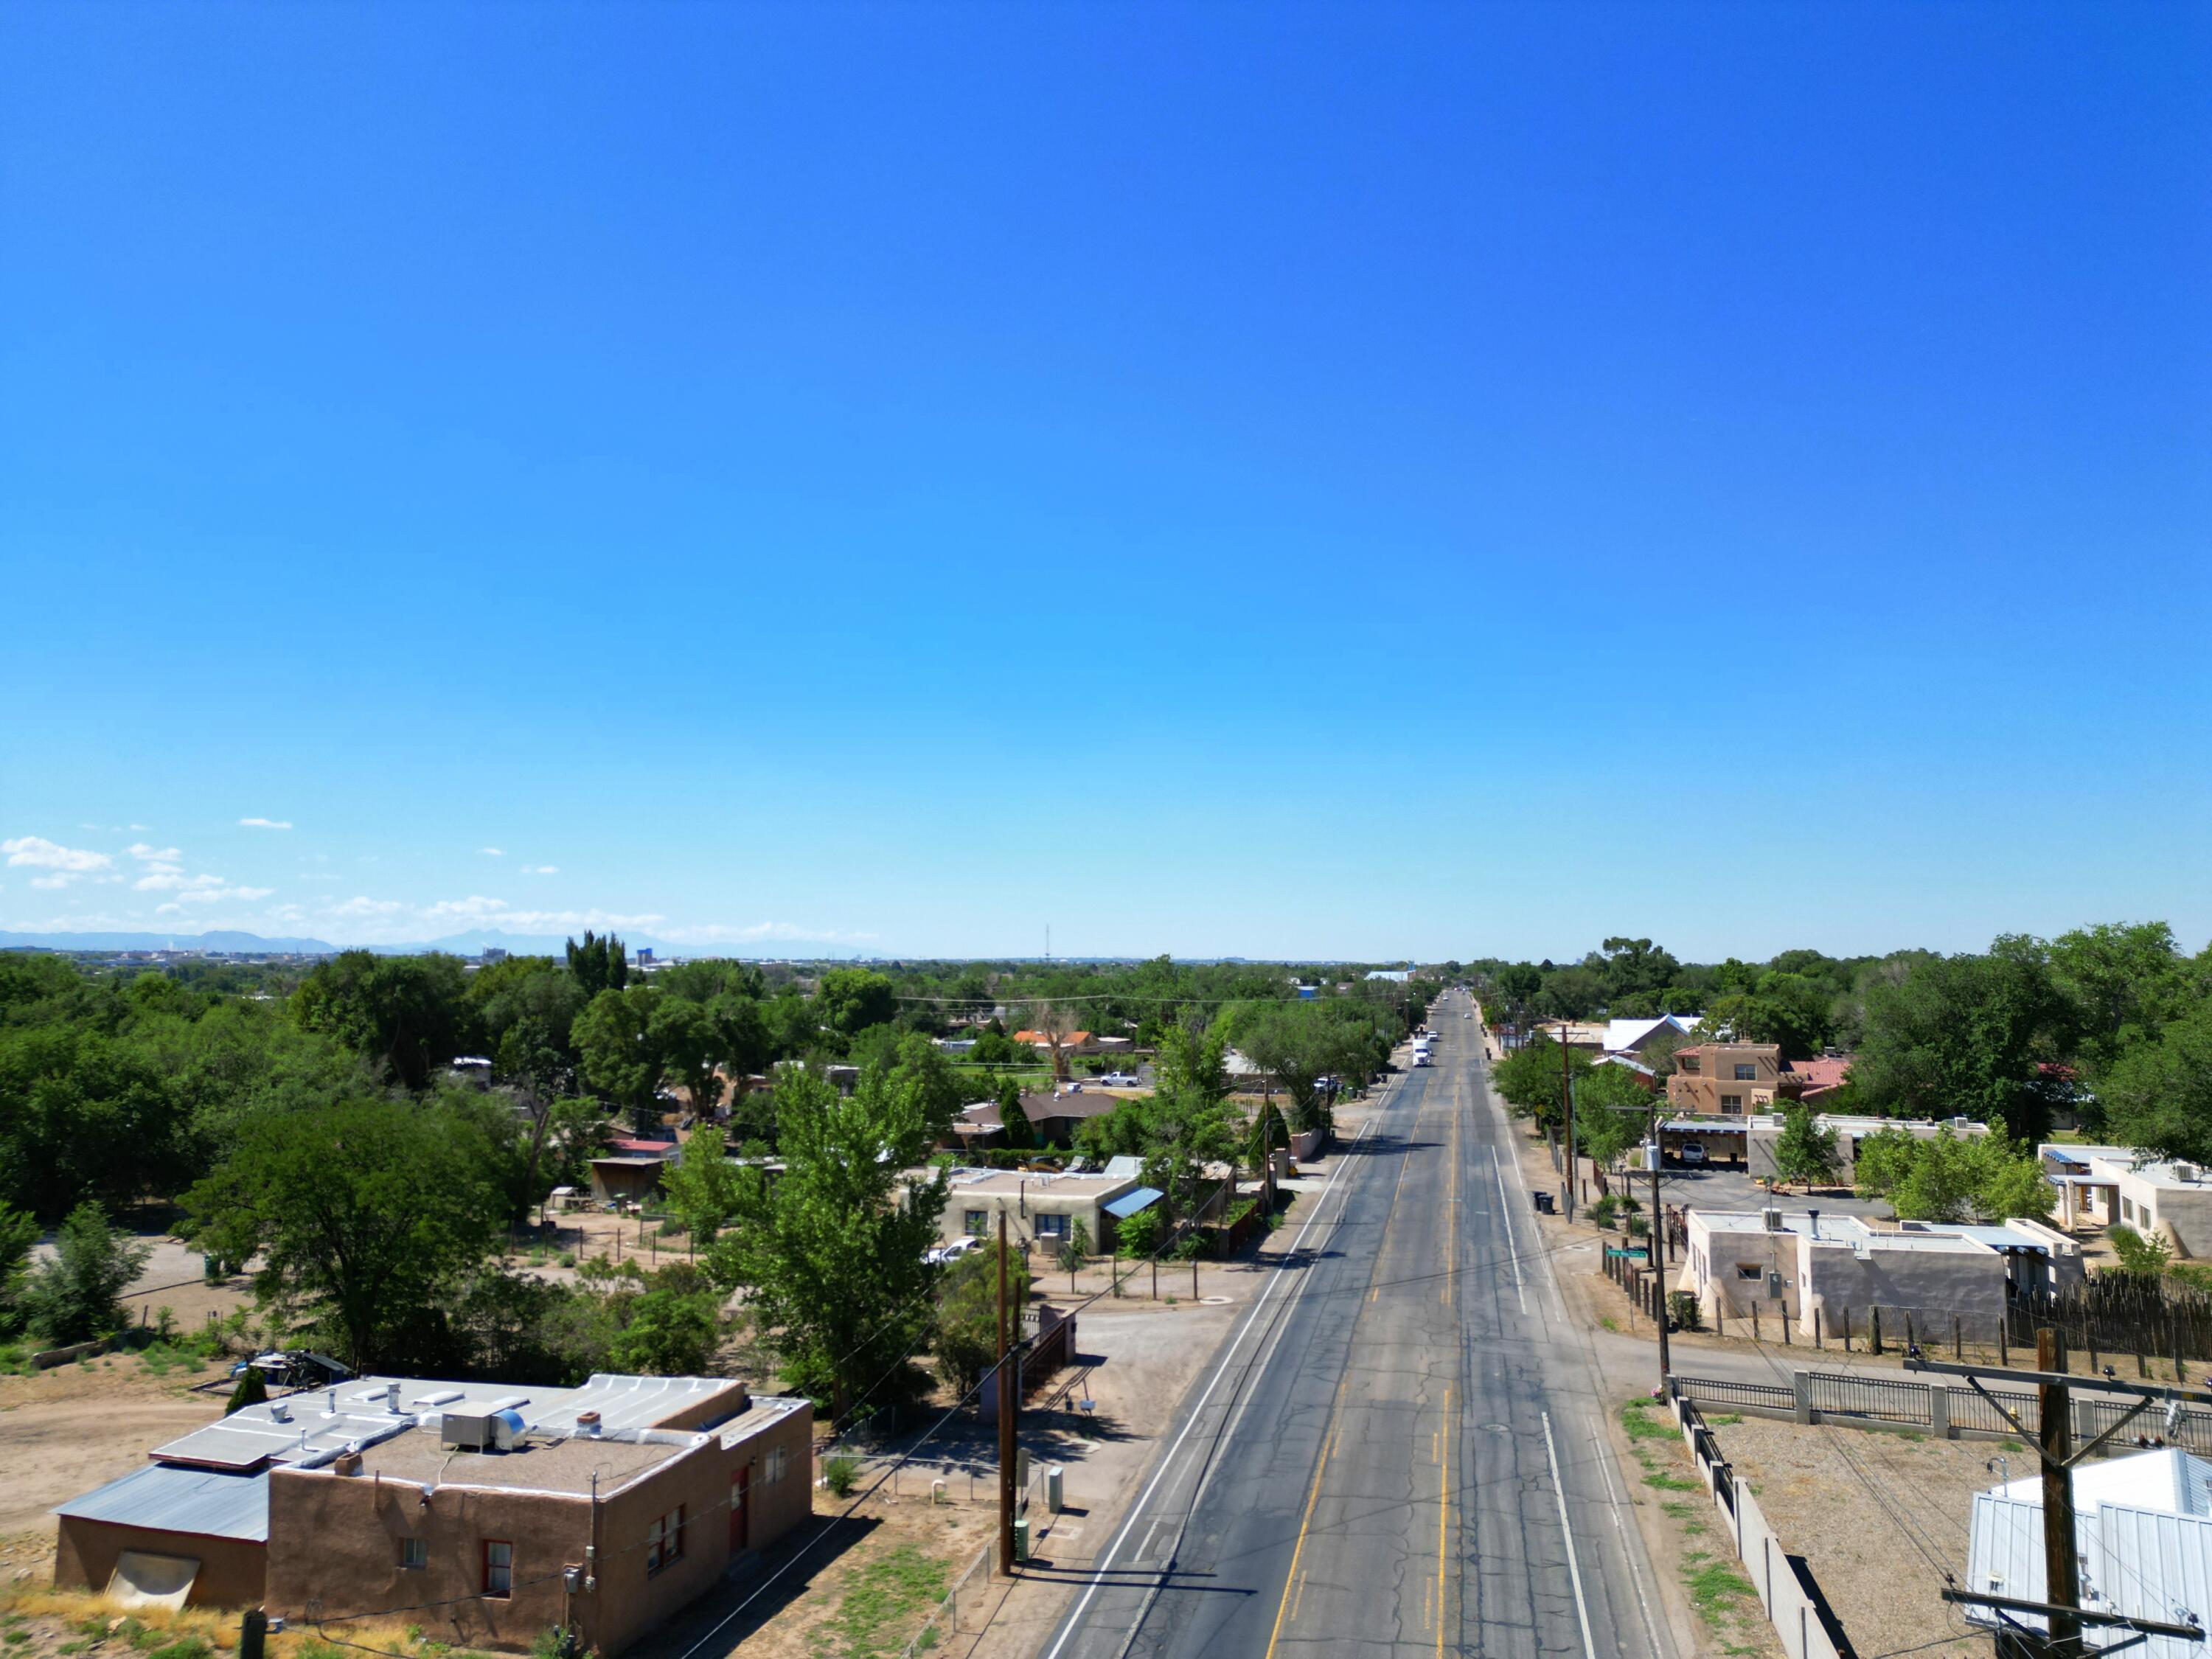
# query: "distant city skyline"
{"type": "Point", "coordinates": [1349, 482]}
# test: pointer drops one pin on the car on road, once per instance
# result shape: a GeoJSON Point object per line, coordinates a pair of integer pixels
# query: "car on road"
{"type": "Point", "coordinates": [1120, 1080]}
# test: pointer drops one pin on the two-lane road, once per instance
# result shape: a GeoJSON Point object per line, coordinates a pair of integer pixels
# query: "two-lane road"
{"type": "Point", "coordinates": [1399, 1448]}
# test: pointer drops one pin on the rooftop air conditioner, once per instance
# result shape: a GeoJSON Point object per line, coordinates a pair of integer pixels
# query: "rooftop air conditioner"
{"type": "Point", "coordinates": [482, 1431]}
{"type": "Point", "coordinates": [1771, 1220]}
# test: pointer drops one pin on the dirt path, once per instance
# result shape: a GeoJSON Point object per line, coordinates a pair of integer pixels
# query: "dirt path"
{"type": "Point", "coordinates": [66, 1431]}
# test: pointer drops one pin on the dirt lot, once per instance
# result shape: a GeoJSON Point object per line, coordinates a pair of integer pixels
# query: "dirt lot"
{"type": "Point", "coordinates": [65, 1430]}
{"type": "Point", "coordinates": [1875, 1515]}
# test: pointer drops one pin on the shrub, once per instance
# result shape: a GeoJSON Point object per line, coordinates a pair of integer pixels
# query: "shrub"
{"type": "Point", "coordinates": [1603, 1212]}
{"type": "Point", "coordinates": [1683, 1308]}
{"type": "Point", "coordinates": [2139, 1254]}
{"type": "Point", "coordinates": [840, 1474]}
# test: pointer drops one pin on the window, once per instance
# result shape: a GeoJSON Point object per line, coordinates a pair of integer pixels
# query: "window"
{"type": "Point", "coordinates": [978, 1222]}
{"type": "Point", "coordinates": [664, 1541]}
{"type": "Point", "coordinates": [414, 1554]}
{"type": "Point", "coordinates": [1052, 1226]}
{"type": "Point", "coordinates": [1746, 1073]}
{"type": "Point", "coordinates": [1750, 1271]}
{"type": "Point", "coordinates": [498, 1567]}
{"type": "Point", "coordinates": [773, 1464]}
{"type": "Point", "coordinates": [1732, 1103]}
{"type": "Point", "coordinates": [1687, 1064]}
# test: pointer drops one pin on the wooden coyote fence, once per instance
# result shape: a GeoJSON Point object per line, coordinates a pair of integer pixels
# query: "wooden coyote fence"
{"type": "Point", "coordinates": [2120, 1313]}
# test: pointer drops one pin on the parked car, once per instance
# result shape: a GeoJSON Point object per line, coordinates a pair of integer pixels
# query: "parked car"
{"type": "Point", "coordinates": [945, 1254]}
{"type": "Point", "coordinates": [1120, 1080]}
{"type": "Point", "coordinates": [1690, 1151]}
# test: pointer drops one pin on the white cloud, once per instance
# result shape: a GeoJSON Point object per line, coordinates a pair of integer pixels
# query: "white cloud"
{"type": "Point", "coordinates": [67, 862]}
{"type": "Point", "coordinates": [52, 881]}
{"type": "Point", "coordinates": [146, 854]}
{"type": "Point", "coordinates": [541, 869]}
{"type": "Point", "coordinates": [265, 824]}
{"type": "Point", "coordinates": [366, 906]}
{"type": "Point", "coordinates": [493, 851]}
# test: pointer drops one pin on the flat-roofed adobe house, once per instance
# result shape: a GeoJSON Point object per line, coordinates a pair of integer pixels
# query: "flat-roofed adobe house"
{"type": "Point", "coordinates": [604, 1508]}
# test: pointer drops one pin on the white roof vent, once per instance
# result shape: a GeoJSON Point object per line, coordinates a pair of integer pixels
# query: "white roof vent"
{"type": "Point", "coordinates": [1771, 1220]}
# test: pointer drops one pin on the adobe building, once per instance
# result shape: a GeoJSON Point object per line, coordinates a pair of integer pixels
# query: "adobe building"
{"type": "Point", "coordinates": [1724, 1080]}
{"type": "Point", "coordinates": [604, 1509]}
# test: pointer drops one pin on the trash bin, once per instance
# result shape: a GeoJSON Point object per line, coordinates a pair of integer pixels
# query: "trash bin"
{"type": "Point", "coordinates": [1544, 1204]}
{"type": "Point", "coordinates": [1021, 1538]}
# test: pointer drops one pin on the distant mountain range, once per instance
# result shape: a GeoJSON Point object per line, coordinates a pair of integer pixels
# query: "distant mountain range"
{"type": "Point", "coordinates": [463, 944]}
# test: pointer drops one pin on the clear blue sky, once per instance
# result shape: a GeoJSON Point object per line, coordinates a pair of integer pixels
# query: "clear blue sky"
{"type": "Point", "coordinates": [1358, 480]}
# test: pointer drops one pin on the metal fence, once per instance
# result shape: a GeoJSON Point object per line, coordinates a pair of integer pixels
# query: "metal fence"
{"type": "Point", "coordinates": [1879, 1398]}
{"type": "Point", "coordinates": [1718, 1391]}
{"type": "Point", "coordinates": [1970, 1411]}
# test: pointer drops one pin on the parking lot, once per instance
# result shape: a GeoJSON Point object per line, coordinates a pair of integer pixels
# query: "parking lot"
{"type": "Point", "coordinates": [1724, 1187]}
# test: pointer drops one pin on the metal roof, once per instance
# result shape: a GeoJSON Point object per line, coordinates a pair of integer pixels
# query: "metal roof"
{"type": "Point", "coordinates": [2148, 1555]}
{"type": "Point", "coordinates": [1129, 1203]}
{"type": "Point", "coordinates": [207, 1503]}
{"type": "Point", "coordinates": [623, 1403]}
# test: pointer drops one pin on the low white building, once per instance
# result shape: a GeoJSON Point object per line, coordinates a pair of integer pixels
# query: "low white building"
{"type": "Point", "coordinates": [1805, 1265]}
{"type": "Point", "coordinates": [1765, 1129]}
{"type": "Point", "coordinates": [2142, 1527]}
{"type": "Point", "coordinates": [2100, 1186]}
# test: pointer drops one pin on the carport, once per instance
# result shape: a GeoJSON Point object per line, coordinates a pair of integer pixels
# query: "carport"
{"type": "Point", "coordinates": [1724, 1142]}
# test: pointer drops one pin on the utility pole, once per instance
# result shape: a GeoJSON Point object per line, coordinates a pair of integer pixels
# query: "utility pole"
{"type": "Point", "coordinates": [2062, 1565]}
{"type": "Point", "coordinates": [1006, 1386]}
{"type": "Point", "coordinates": [2054, 1443]}
{"type": "Point", "coordinates": [1659, 1252]}
{"type": "Point", "coordinates": [1567, 1098]}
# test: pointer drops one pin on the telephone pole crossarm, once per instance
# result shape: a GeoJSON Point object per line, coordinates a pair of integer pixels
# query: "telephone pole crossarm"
{"type": "Point", "coordinates": [2015, 1604]}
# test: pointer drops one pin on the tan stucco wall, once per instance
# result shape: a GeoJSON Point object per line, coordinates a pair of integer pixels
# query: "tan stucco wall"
{"type": "Point", "coordinates": [232, 1570]}
{"type": "Point", "coordinates": [2182, 1214]}
{"type": "Point", "coordinates": [1021, 1229]}
{"type": "Point", "coordinates": [1938, 1283]}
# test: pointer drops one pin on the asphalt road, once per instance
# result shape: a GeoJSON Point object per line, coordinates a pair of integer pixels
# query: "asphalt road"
{"type": "Point", "coordinates": [1398, 1450]}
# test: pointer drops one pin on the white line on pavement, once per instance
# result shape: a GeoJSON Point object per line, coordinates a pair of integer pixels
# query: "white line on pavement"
{"type": "Point", "coordinates": [1074, 1620]}
{"type": "Point", "coordinates": [1613, 1496]}
{"type": "Point", "coordinates": [1506, 1218]}
{"type": "Point", "coordinates": [1567, 1532]}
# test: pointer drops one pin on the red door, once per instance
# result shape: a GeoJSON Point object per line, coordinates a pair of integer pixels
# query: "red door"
{"type": "Point", "coordinates": [738, 1483]}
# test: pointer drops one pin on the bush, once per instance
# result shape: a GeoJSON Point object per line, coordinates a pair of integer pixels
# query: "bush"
{"type": "Point", "coordinates": [2139, 1254]}
{"type": "Point", "coordinates": [1603, 1211]}
{"type": "Point", "coordinates": [1683, 1309]}
{"type": "Point", "coordinates": [840, 1474]}
{"type": "Point", "coordinates": [76, 1297]}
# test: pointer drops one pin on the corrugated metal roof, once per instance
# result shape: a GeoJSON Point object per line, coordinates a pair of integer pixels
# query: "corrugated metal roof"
{"type": "Point", "coordinates": [1129, 1203]}
{"type": "Point", "coordinates": [2144, 1559]}
{"type": "Point", "coordinates": [207, 1503]}
{"type": "Point", "coordinates": [623, 1403]}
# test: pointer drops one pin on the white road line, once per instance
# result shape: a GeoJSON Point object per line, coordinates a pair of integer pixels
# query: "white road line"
{"type": "Point", "coordinates": [1506, 1218]}
{"type": "Point", "coordinates": [1105, 1563]}
{"type": "Point", "coordinates": [1613, 1496]}
{"type": "Point", "coordinates": [1567, 1532]}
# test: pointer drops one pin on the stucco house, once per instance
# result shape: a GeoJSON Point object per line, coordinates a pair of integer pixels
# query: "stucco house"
{"type": "Point", "coordinates": [1805, 1265]}
{"type": "Point", "coordinates": [604, 1508]}
{"type": "Point", "coordinates": [2098, 1186]}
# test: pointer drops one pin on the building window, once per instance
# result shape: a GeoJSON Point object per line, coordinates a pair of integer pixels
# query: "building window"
{"type": "Point", "coordinates": [1732, 1103]}
{"type": "Point", "coordinates": [1746, 1073]}
{"type": "Point", "coordinates": [664, 1541]}
{"type": "Point", "coordinates": [979, 1222]}
{"type": "Point", "coordinates": [498, 1567]}
{"type": "Point", "coordinates": [1751, 1272]}
{"type": "Point", "coordinates": [1687, 1064]}
{"type": "Point", "coordinates": [414, 1554]}
{"type": "Point", "coordinates": [773, 1462]}
{"type": "Point", "coordinates": [1052, 1226]}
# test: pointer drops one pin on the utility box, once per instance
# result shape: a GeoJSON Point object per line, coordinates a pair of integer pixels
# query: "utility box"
{"type": "Point", "coordinates": [1053, 1478]}
{"type": "Point", "coordinates": [1021, 1538]}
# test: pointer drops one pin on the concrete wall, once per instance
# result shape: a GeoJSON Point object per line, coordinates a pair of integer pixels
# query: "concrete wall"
{"type": "Point", "coordinates": [1715, 1257]}
{"type": "Point", "coordinates": [1021, 1228]}
{"type": "Point", "coordinates": [232, 1570]}
{"type": "Point", "coordinates": [1968, 1282]}
{"type": "Point", "coordinates": [2181, 1215]}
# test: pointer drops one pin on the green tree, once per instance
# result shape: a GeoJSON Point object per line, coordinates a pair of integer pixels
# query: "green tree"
{"type": "Point", "coordinates": [1805, 1150]}
{"type": "Point", "coordinates": [1613, 1112]}
{"type": "Point", "coordinates": [851, 999]}
{"type": "Point", "coordinates": [405, 1013]}
{"type": "Point", "coordinates": [1966, 1036]}
{"type": "Point", "coordinates": [598, 964]}
{"type": "Point", "coordinates": [2124, 980]}
{"type": "Point", "coordinates": [831, 1253]}
{"type": "Point", "coordinates": [18, 1232]}
{"type": "Point", "coordinates": [252, 1388]}
{"type": "Point", "coordinates": [1948, 1177]}
{"type": "Point", "coordinates": [364, 1217]}
{"type": "Point", "coordinates": [1528, 1079]}
{"type": "Point", "coordinates": [623, 1040]}
{"type": "Point", "coordinates": [673, 1329]}
{"type": "Point", "coordinates": [1019, 1134]}
{"type": "Point", "coordinates": [2157, 1094]}
{"type": "Point", "coordinates": [966, 1343]}
{"type": "Point", "coordinates": [702, 1187]}
{"type": "Point", "coordinates": [77, 1296]}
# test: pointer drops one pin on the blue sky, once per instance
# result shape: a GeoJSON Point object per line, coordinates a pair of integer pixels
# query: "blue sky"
{"type": "Point", "coordinates": [1362, 480]}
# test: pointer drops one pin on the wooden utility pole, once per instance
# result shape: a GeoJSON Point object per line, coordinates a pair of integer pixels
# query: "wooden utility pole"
{"type": "Point", "coordinates": [2062, 1565]}
{"type": "Point", "coordinates": [1567, 1100]}
{"type": "Point", "coordinates": [1659, 1253]}
{"type": "Point", "coordinates": [1006, 1387]}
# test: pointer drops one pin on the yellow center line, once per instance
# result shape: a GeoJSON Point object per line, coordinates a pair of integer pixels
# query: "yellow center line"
{"type": "Point", "coordinates": [1313, 1496]}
